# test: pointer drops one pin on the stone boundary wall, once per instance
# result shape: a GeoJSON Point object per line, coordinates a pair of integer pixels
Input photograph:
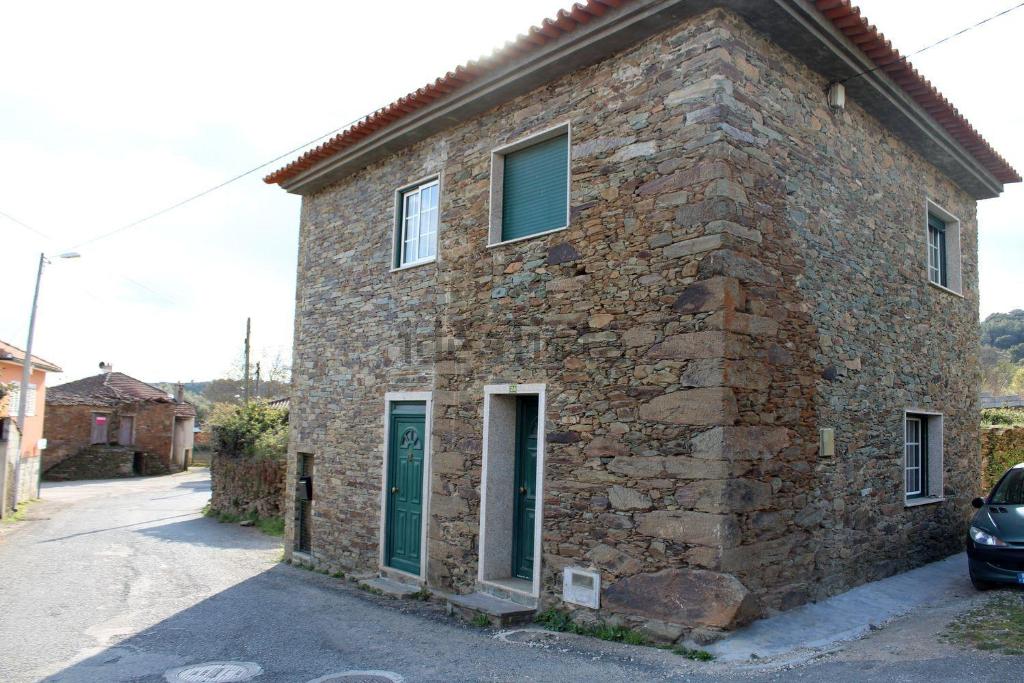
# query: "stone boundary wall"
{"type": "Point", "coordinates": [243, 486]}
{"type": "Point", "coordinates": [996, 441]}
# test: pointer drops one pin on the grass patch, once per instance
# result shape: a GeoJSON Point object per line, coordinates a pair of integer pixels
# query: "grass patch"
{"type": "Point", "coordinates": [481, 620]}
{"type": "Point", "coordinates": [422, 594]}
{"type": "Point", "coordinates": [338, 575]}
{"type": "Point", "coordinates": [997, 626]}
{"type": "Point", "coordinates": [692, 653]}
{"type": "Point", "coordinates": [271, 526]}
{"type": "Point", "coordinates": [19, 513]}
{"type": "Point", "coordinates": [561, 621]}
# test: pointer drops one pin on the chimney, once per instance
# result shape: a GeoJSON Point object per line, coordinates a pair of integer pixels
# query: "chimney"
{"type": "Point", "coordinates": [180, 393]}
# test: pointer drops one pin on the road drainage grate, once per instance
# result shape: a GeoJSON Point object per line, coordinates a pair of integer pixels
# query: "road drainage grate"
{"type": "Point", "coordinates": [360, 677]}
{"type": "Point", "coordinates": [214, 672]}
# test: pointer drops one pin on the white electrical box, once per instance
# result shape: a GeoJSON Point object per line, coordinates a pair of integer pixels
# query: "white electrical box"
{"type": "Point", "coordinates": [41, 444]}
{"type": "Point", "coordinates": [581, 587]}
{"type": "Point", "coordinates": [827, 447]}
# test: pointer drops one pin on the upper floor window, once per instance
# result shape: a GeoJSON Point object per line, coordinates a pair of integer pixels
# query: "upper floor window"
{"type": "Point", "coordinates": [943, 247]}
{"type": "Point", "coordinates": [416, 234]}
{"type": "Point", "coordinates": [530, 186]}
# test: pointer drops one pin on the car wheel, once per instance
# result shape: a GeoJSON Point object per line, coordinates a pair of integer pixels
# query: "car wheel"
{"type": "Point", "coordinates": [979, 584]}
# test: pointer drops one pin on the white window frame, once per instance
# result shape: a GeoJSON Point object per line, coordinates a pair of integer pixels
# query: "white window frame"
{"type": "Point", "coordinates": [399, 231]}
{"type": "Point", "coordinates": [398, 397]}
{"type": "Point", "coordinates": [920, 425]}
{"type": "Point", "coordinates": [14, 396]}
{"type": "Point", "coordinates": [934, 423]}
{"type": "Point", "coordinates": [498, 179]}
{"type": "Point", "coordinates": [492, 508]}
{"type": "Point", "coordinates": [954, 260]}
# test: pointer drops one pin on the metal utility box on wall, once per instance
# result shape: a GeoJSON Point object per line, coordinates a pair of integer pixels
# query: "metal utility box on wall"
{"type": "Point", "coordinates": [581, 587]}
{"type": "Point", "coordinates": [304, 489]}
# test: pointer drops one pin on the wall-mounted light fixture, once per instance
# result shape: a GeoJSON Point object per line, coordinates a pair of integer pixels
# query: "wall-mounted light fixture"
{"type": "Point", "coordinates": [837, 96]}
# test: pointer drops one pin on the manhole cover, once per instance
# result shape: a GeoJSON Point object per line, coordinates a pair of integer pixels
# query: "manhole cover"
{"type": "Point", "coordinates": [361, 677]}
{"type": "Point", "coordinates": [214, 672]}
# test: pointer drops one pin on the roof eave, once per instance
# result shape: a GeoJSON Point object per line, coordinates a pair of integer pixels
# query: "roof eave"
{"type": "Point", "coordinates": [819, 45]}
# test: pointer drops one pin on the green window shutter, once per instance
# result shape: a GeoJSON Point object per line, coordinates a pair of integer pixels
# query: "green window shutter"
{"type": "Point", "coordinates": [535, 188]}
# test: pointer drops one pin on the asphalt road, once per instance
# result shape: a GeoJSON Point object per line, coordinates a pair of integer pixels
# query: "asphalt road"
{"type": "Point", "coordinates": [125, 580]}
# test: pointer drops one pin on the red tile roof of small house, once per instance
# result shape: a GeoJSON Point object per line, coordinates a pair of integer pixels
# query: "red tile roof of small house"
{"type": "Point", "coordinates": [12, 354]}
{"type": "Point", "coordinates": [843, 15]}
{"type": "Point", "coordinates": [113, 388]}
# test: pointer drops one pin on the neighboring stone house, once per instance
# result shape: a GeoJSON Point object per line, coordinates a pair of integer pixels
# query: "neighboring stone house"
{"type": "Point", "coordinates": [638, 314]}
{"type": "Point", "coordinates": [113, 425]}
{"type": "Point", "coordinates": [12, 368]}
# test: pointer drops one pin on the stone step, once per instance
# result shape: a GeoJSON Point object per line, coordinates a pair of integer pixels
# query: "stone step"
{"type": "Point", "coordinates": [498, 612]}
{"type": "Point", "coordinates": [390, 588]}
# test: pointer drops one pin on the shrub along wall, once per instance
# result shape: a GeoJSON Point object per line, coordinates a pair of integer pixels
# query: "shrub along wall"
{"type": "Point", "coordinates": [1001, 448]}
{"type": "Point", "coordinates": [247, 486]}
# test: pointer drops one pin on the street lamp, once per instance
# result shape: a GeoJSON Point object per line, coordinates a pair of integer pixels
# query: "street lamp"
{"type": "Point", "coordinates": [26, 374]}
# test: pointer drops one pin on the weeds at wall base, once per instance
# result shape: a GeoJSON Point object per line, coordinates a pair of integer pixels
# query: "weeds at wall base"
{"type": "Point", "coordinates": [561, 621]}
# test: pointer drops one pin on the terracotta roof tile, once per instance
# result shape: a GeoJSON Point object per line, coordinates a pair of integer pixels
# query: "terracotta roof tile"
{"type": "Point", "coordinates": [841, 13]}
{"type": "Point", "coordinates": [13, 354]}
{"type": "Point", "coordinates": [112, 388]}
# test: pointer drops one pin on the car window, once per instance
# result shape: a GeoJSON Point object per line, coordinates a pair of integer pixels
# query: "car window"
{"type": "Point", "coordinates": [1011, 489]}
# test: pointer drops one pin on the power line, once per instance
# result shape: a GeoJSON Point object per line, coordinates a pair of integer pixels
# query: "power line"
{"type": "Point", "coordinates": [207, 191]}
{"type": "Point", "coordinates": [25, 225]}
{"type": "Point", "coordinates": [937, 42]}
{"type": "Point", "coordinates": [123, 277]}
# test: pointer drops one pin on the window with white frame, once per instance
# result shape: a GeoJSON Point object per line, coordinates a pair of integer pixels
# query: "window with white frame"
{"type": "Point", "coordinates": [922, 456]}
{"type": "Point", "coordinates": [943, 248]}
{"type": "Point", "coordinates": [15, 396]}
{"type": "Point", "coordinates": [416, 233]}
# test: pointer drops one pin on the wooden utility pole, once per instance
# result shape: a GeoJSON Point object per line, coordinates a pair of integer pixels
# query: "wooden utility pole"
{"type": "Point", "coordinates": [248, 331]}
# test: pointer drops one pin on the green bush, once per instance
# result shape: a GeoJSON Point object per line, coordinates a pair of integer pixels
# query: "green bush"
{"type": "Point", "coordinates": [1002, 417]}
{"type": "Point", "coordinates": [254, 430]}
{"type": "Point", "coordinates": [998, 463]}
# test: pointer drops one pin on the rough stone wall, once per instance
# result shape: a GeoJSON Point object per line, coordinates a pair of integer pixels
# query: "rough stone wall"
{"type": "Point", "coordinates": [69, 429]}
{"type": "Point", "coordinates": [95, 462]}
{"type": "Point", "coordinates": [840, 203]}
{"type": "Point", "coordinates": [243, 486]}
{"type": "Point", "coordinates": [694, 327]}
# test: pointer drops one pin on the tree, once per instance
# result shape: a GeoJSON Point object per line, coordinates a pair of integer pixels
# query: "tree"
{"type": "Point", "coordinates": [1017, 383]}
{"type": "Point", "coordinates": [1003, 330]}
{"type": "Point", "coordinates": [996, 370]}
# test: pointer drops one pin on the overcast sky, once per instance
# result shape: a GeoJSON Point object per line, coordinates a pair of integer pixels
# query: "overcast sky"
{"type": "Point", "coordinates": [110, 111]}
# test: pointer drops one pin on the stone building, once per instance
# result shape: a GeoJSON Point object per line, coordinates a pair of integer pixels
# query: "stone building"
{"type": "Point", "coordinates": [113, 425]}
{"type": "Point", "coordinates": [643, 318]}
{"type": "Point", "coordinates": [18, 450]}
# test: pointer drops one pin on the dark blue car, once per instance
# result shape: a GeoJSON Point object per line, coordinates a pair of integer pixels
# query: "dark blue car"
{"type": "Point", "coordinates": [995, 541]}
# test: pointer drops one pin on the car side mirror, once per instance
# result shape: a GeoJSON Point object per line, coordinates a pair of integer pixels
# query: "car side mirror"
{"type": "Point", "coordinates": [978, 502]}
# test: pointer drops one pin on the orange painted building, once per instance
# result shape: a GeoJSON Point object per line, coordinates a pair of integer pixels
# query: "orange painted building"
{"type": "Point", "coordinates": [11, 442]}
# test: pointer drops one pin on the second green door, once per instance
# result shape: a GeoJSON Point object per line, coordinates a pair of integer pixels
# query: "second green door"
{"type": "Point", "coordinates": [525, 507]}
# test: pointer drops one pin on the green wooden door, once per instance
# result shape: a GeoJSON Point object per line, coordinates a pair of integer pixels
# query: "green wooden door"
{"type": "Point", "coordinates": [525, 508]}
{"type": "Point", "coordinates": [407, 436]}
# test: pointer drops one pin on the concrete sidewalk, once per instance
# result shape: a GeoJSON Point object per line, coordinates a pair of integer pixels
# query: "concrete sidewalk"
{"type": "Point", "coordinates": [846, 616]}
